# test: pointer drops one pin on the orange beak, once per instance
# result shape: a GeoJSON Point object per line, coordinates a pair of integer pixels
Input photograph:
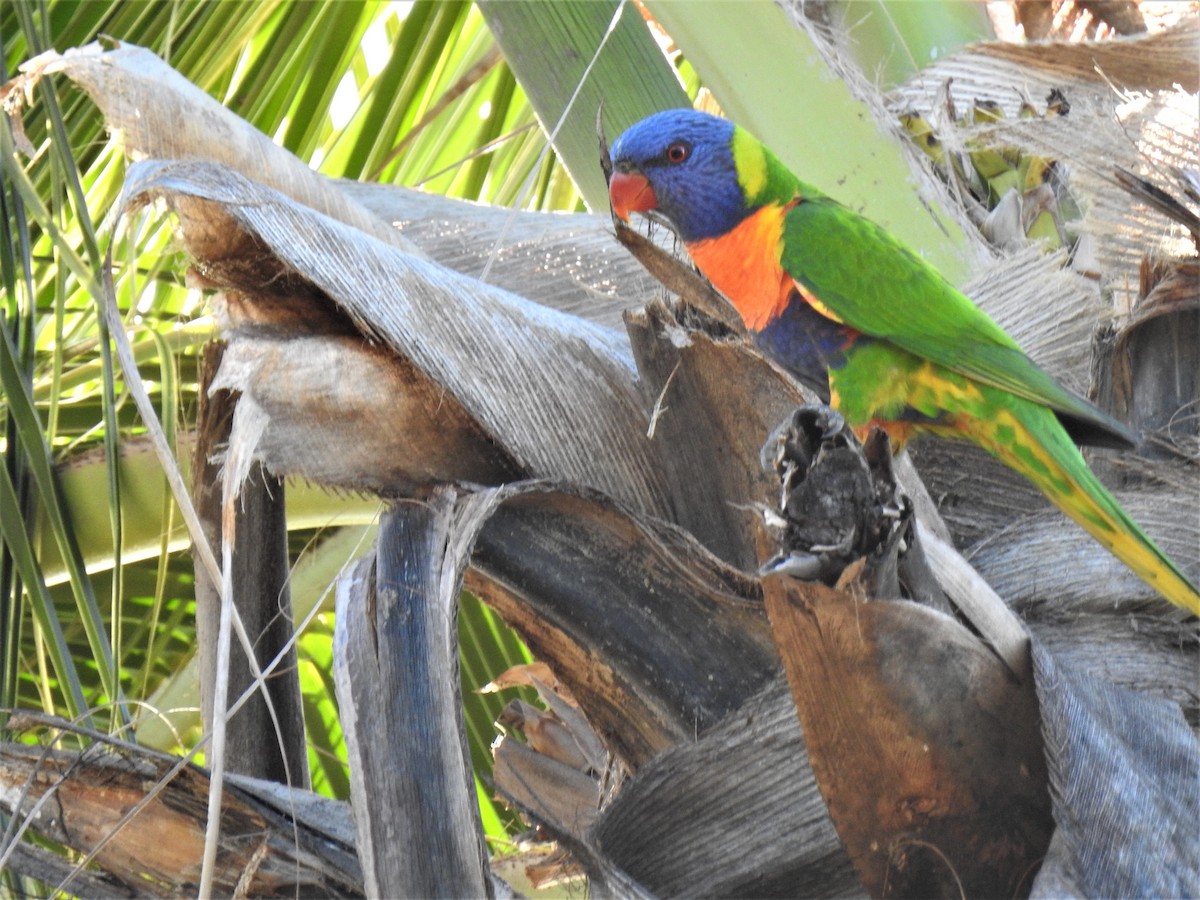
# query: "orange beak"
{"type": "Point", "coordinates": [630, 192]}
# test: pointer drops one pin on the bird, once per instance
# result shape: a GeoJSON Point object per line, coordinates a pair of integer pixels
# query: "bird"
{"type": "Point", "coordinates": [833, 297]}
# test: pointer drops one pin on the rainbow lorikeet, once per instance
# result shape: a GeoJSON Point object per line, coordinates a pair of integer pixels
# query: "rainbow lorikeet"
{"type": "Point", "coordinates": [823, 290]}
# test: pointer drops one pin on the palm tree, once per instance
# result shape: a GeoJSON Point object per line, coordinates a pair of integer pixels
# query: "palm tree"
{"type": "Point", "coordinates": [443, 108]}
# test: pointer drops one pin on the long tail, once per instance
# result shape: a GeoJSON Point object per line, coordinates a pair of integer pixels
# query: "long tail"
{"type": "Point", "coordinates": [1029, 438]}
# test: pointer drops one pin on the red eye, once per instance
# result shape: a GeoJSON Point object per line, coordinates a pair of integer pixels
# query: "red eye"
{"type": "Point", "coordinates": [678, 152]}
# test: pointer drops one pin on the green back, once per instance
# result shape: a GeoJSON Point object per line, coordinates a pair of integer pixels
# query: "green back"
{"type": "Point", "coordinates": [876, 285]}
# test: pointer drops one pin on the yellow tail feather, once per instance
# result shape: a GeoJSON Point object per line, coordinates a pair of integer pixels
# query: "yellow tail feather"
{"type": "Point", "coordinates": [1028, 438]}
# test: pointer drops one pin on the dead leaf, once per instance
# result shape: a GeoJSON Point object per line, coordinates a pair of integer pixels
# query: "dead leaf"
{"type": "Point", "coordinates": [925, 747]}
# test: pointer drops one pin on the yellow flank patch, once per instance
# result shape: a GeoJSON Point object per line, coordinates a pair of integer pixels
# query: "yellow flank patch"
{"type": "Point", "coordinates": [811, 299]}
{"type": "Point", "coordinates": [751, 162]}
{"type": "Point", "coordinates": [744, 265]}
{"type": "Point", "coordinates": [883, 385]}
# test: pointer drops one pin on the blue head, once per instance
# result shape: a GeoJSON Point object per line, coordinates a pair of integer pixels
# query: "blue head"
{"type": "Point", "coordinates": [681, 163]}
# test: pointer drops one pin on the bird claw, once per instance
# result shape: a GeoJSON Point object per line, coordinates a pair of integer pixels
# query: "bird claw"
{"type": "Point", "coordinates": [805, 566]}
{"type": "Point", "coordinates": [841, 548]}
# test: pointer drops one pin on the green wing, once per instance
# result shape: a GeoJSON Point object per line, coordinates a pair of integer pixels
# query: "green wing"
{"type": "Point", "coordinates": [877, 286]}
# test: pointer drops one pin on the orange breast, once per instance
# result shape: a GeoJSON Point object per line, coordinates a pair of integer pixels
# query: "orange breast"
{"type": "Point", "coordinates": [743, 264]}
